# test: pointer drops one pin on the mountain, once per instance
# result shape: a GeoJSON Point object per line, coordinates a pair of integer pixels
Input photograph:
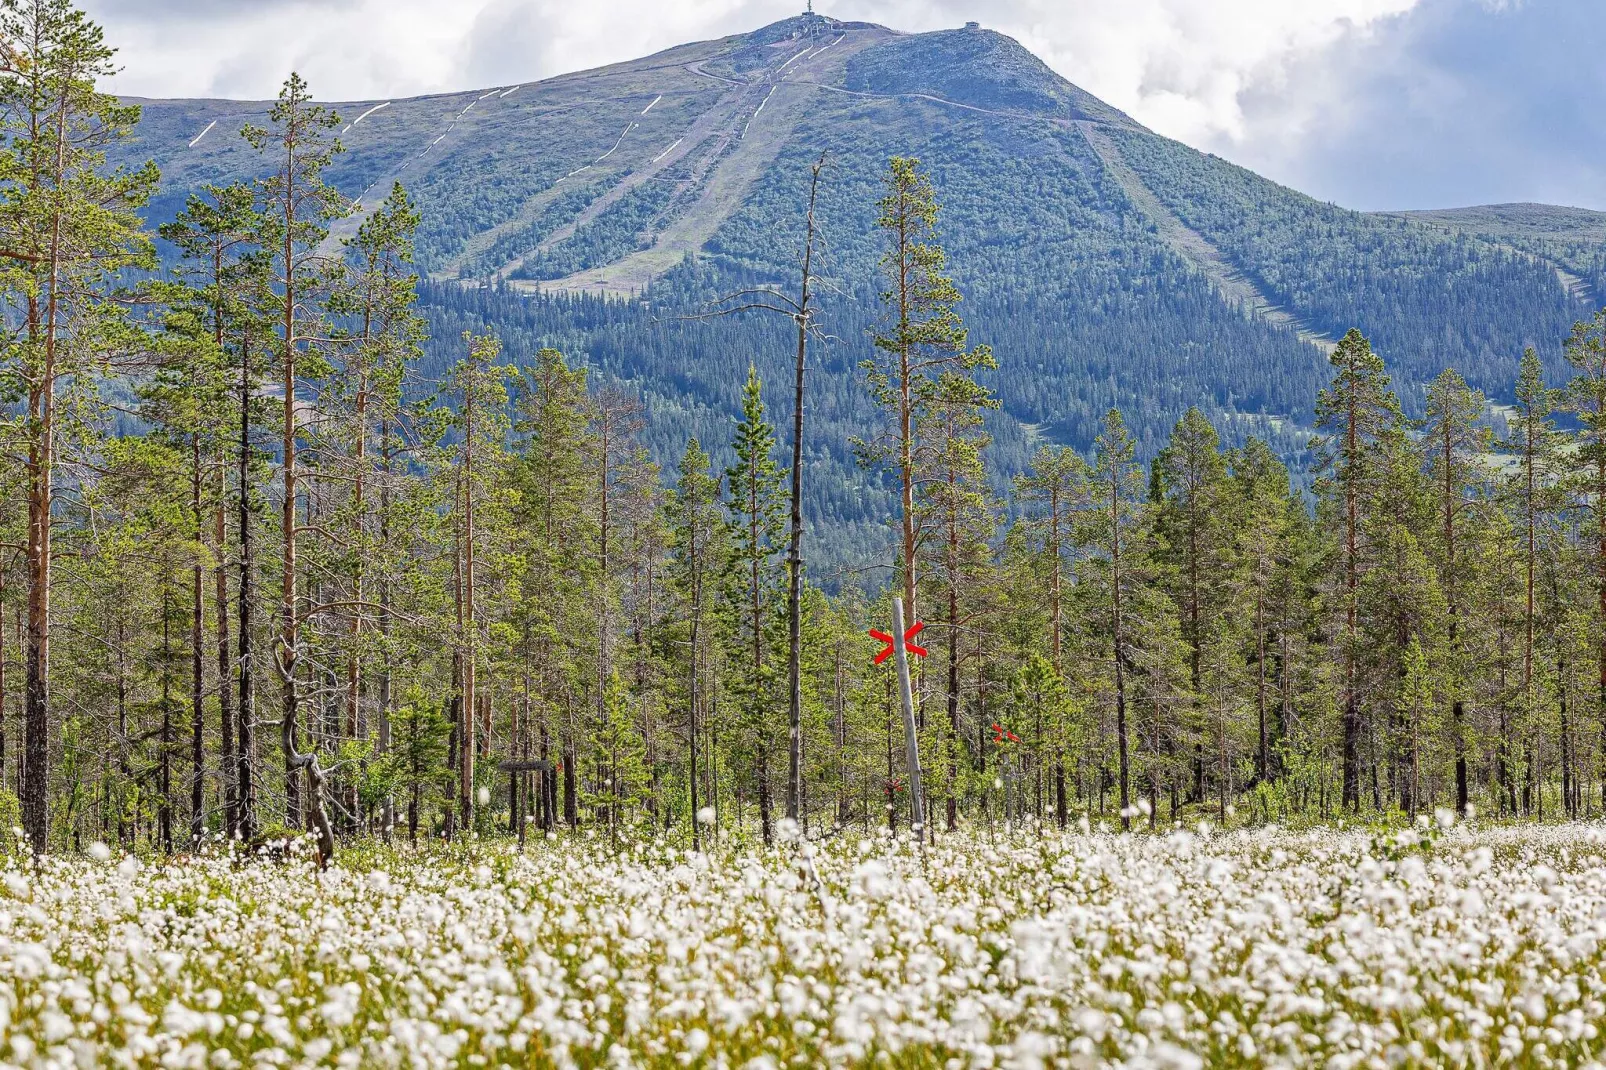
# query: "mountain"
{"type": "Point", "coordinates": [1106, 265]}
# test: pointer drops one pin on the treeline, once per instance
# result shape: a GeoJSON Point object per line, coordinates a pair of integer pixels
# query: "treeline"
{"type": "Point", "coordinates": [317, 591]}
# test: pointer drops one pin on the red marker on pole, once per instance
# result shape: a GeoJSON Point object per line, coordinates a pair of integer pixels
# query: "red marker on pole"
{"type": "Point", "coordinates": [886, 652]}
{"type": "Point", "coordinates": [917, 807]}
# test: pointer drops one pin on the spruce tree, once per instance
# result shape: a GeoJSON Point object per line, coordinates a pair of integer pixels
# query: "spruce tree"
{"type": "Point", "coordinates": [756, 578]}
{"type": "Point", "coordinates": [417, 760]}
{"type": "Point", "coordinates": [1117, 491]}
{"type": "Point", "coordinates": [1401, 605]}
{"type": "Point", "coordinates": [1190, 487]}
{"type": "Point", "coordinates": [1585, 398]}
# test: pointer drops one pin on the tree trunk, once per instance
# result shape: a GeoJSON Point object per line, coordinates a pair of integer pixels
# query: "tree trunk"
{"type": "Point", "coordinates": [1117, 640]}
{"type": "Point", "coordinates": [164, 774]}
{"type": "Point", "coordinates": [1352, 709]}
{"type": "Point", "coordinates": [225, 670]}
{"type": "Point", "coordinates": [465, 616]}
{"type": "Point", "coordinates": [197, 654]}
{"type": "Point", "coordinates": [794, 551]}
{"type": "Point", "coordinates": [388, 807]}
{"type": "Point", "coordinates": [245, 775]}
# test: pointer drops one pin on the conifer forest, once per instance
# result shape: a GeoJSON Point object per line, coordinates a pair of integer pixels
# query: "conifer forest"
{"type": "Point", "coordinates": [406, 661]}
{"type": "Point", "coordinates": [259, 577]}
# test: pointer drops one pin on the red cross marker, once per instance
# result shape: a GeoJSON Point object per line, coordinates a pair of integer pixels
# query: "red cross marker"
{"type": "Point", "coordinates": [886, 652]}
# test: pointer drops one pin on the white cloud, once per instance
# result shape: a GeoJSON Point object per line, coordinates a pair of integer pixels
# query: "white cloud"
{"type": "Point", "coordinates": [1182, 67]}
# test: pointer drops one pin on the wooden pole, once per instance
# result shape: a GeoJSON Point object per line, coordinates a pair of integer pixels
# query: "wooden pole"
{"type": "Point", "coordinates": [911, 739]}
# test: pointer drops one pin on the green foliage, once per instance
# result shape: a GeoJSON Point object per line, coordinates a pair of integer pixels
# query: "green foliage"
{"type": "Point", "coordinates": [416, 760]}
{"type": "Point", "coordinates": [503, 496]}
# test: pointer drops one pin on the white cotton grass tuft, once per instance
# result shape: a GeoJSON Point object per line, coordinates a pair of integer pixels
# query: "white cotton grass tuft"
{"type": "Point", "coordinates": [1004, 947]}
{"type": "Point", "coordinates": [706, 815]}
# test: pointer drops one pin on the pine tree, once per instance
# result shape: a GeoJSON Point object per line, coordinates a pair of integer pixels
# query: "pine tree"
{"type": "Point", "coordinates": [1453, 443]}
{"type": "Point", "coordinates": [1358, 410]}
{"type": "Point", "coordinates": [379, 294]}
{"type": "Point", "coordinates": [295, 204]}
{"type": "Point", "coordinates": [645, 604]}
{"type": "Point", "coordinates": [1534, 491]}
{"type": "Point", "coordinates": [1117, 488]}
{"type": "Point", "coordinates": [211, 301]}
{"type": "Point", "coordinates": [956, 507]}
{"type": "Point", "coordinates": [478, 384]}
{"type": "Point", "coordinates": [1055, 491]}
{"type": "Point", "coordinates": [1263, 512]}
{"type": "Point", "coordinates": [924, 360]}
{"type": "Point", "coordinates": [695, 530]}
{"type": "Point", "coordinates": [615, 417]}
{"type": "Point", "coordinates": [556, 520]}
{"type": "Point", "coordinates": [68, 226]}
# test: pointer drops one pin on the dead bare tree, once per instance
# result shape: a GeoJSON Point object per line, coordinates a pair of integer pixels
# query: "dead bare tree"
{"type": "Point", "coordinates": [801, 311]}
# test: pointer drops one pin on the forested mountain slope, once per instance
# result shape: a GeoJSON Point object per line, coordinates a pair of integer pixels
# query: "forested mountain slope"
{"type": "Point", "coordinates": [1105, 265]}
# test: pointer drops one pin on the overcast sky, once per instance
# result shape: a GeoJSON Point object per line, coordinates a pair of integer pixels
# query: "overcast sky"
{"type": "Point", "coordinates": [1369, 103]}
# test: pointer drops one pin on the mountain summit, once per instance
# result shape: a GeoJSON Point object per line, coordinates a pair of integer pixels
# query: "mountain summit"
{"type": "Point", "coordinates": [1107, 265]}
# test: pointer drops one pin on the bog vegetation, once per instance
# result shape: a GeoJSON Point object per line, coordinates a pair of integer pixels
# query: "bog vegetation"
{"type": "Point", "coordinates": [1018, 950]}
{"type": "Point", "coordinates": [258, 576]}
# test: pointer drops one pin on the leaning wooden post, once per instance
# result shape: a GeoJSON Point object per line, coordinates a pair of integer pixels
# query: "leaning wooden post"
{"type": "Point", "coordinates": [917, 806]}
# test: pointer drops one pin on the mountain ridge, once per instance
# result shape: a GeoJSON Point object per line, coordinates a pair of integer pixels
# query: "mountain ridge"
{"type": "Point", "coordinates": [1106, 264]}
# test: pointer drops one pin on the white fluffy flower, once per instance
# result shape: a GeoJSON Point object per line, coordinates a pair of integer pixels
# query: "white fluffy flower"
{"type": "Point", "coordinates": [1017, 947]}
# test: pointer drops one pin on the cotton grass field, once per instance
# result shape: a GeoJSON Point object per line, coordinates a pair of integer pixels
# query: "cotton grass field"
{"type": "Point", "coordinates": [1427, 946]}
